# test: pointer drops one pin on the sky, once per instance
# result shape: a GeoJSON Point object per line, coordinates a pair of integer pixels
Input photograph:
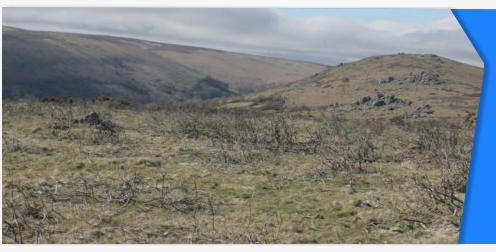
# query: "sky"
{"type": "Point", "coordinates": [412, 15]}
{"type": "Point", "coordinates": [328, 36]}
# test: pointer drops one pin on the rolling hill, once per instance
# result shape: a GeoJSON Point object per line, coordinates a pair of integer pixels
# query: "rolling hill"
{"type": "Point", "coordinates": [64, 64]}
{"type": "Point", "coordinates": [365, 87]}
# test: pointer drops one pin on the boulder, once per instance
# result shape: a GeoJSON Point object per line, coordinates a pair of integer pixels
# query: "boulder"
{"type": "Point", "coordinates": [390, 99]}
{"type": "Point", "coordinates": [92, 119]}
{"type": "Point", "coordinates": [386, 80]}
{"type": "Point", "coordinates": [379, 103]}
{"type": "Point", "coordinates": [365, 99]}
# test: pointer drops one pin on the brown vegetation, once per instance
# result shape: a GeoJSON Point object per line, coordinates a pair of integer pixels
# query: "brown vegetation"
{"type": "Point", "coordinates": [84, 172]}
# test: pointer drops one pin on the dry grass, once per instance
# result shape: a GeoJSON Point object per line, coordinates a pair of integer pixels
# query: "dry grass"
{"type": "Point", "coordinates": [195, 174]}
{"type": "Point", "coordinates": [458, 92]}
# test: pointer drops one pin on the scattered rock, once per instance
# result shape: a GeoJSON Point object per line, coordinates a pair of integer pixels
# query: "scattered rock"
{"type": "Point", "coordinates": [365, 99]}
{"type": "Point", "coordinates": [425, 78]}
{"type": "Point", "coordinates": [360, 203]}
{"type": "Point", "coordinates": [319, 216]}
{"type": "Point", "coordinates": [421, 111]}
{"type": "Point", "coordinates": [381, 100]}
{"type": "Point", "coordinates": [390, 99]}
{"type": "Point", "coordinates": [91, 119]}
{"type": "Point", "coordinates": [94, 119]}
{"type": "Point", "coordinates": [386, 80]}
{"type": "Point", "coordinates": [393, 107]}
{"type": "Point", "coordinates": [378, 103]}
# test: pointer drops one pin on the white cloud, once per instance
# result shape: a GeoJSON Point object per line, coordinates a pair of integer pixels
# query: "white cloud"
{"type": "Point", "coordinates": [328, 39]}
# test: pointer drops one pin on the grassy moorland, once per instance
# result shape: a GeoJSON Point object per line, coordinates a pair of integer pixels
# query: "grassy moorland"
{"type": "Point", "coordinates": [109, 172]}
{"type": "Point", "coordinates": [450, 87]}
{"type": "Point", "coordinates": [40, 63]}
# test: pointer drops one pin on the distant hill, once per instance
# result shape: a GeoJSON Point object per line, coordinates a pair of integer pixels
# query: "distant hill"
{"type": "Point", "coordinates": [64, 64]}
{"type": "Point", "coordinates": [448, 87]}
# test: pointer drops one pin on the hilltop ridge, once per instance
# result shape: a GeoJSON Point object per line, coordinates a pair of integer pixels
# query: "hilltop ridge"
{"type": "Point", "coordinates": [450, 87]}
{"type": "Point", "coordinates": [37, 63]}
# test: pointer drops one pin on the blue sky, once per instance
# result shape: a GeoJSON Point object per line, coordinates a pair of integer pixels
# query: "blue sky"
{"type": "Point", "coordinates": [403, 15]}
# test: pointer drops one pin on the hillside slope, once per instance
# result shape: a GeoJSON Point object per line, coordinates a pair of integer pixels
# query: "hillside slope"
{"type": "Point", "coordinates": [447, 86]}
{"type": "Point", "coordinates": [64, 64]}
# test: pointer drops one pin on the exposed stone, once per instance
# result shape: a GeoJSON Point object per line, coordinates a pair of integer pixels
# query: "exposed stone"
{"type": "Point", "coordinates": [390, 99]}
{"type": "Point", "coordinates": [319, 216]}
{"type": "Point", "coordinates": [92, 119]}
{"type": "Point", "coordinates": [386, 80]}
{"type": "Point", "coordinates": [365, 99]}
{"type": "Point", "coordinates": [425, 78]}
{"type": "Point", "coordinates": [393, 107]}
{"type": "Point", "coordinates": [421, 111]}
{"type": "Point", "coordinates": [390, 102]}
{"type": "Point", "coordinates": [360, 203]}
{"type": "Point", "coordinates": [378, 103]}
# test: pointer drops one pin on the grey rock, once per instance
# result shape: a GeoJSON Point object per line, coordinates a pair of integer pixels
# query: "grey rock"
{"type": "Point", "coordinates": [360, 203]}
{"type": "Point", "coordinates": [390, 99]}
{"type": "Point", "coordinates": [389, 102]}
{"type": "Point", "coordinates": [425, 78]}
{"type": "Point", "coordinates": [92, 119]}
{"type": "Point", "coordinates": [379, 103]}
{"type": "Point", "coordinates": [421, 111]}
{"type": "Point", "coordinates": [386, 80]}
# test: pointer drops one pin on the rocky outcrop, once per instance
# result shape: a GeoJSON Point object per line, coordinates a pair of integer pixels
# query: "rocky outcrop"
{"type": "Point", "coordinates": [424, 78]}
{"type": "Point", "coordinates": [390, 102]}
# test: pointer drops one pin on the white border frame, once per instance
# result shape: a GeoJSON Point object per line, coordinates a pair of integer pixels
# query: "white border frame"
{"type": "Point", "coordinates": [445, 4]}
